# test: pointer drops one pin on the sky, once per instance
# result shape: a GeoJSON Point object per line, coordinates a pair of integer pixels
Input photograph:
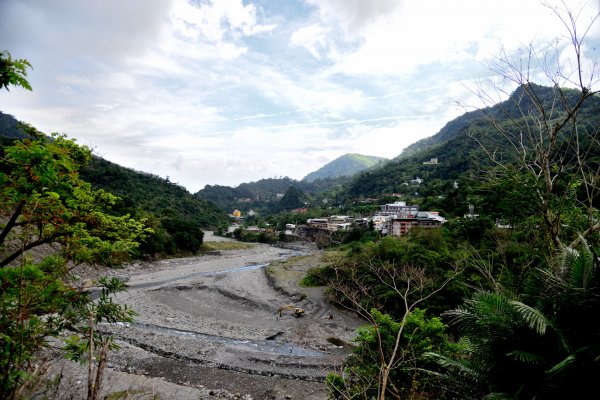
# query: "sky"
{"type": "Point", "coordinates": [230, 91]}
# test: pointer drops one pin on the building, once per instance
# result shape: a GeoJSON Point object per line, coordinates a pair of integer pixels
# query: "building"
{"type": "Point", "coordinates": [399, 226]}
{"type": "Point", "coordinates": [399, 209]}
{"type": "Point", "coordinates": [433, 161]}
{"type": "Point", "coordinates": [289, 229]}
{"type": "Point", "coordinates": [318, 222]}
{"type": "Point", "coordinates": [416, 182]}
{"type": "Point", "coordinates": [333, 223]}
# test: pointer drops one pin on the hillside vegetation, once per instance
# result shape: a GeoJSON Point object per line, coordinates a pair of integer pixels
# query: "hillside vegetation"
{"type": "Point", "coordinates": [501, 302]}
{"type": "Point", "coordinates": [175, 215]}
{"type": "Point", "coordinates": [263, 196]}
{"type": "Point", "coordinates": [346, 165]}
{"type": "Point", "coordinates": [462, 148]}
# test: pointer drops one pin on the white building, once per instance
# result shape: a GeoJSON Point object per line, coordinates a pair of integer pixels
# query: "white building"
{"type": "Point", "coordinates": [399, 209]}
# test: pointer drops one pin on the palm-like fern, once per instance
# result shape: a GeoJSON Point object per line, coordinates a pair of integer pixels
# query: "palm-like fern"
{"type": "Point", "coordinates": [544, 343]}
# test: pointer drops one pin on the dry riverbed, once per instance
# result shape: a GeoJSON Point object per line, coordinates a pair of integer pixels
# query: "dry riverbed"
{"type": "Point", "coordinates": [222, 325]}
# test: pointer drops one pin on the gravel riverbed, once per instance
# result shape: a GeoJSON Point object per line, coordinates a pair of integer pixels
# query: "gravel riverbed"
{"type": "Point", "coordinates": [222, 325]}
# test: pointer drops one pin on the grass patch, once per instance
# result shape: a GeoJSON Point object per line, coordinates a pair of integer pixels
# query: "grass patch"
{"type": "Point", "coordinates": [269, 270]}
{"type": "Point", "coordinates": [127, 394]}
{"type": "Point", "coordinates": [317, 276]}
{"type": "Point", "coordinates": [216, 246]}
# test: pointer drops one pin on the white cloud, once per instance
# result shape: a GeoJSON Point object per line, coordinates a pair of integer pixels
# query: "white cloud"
{"type": "Point", "coordinates": [354, 16]}
{"type": "Point", "coordinates": [312, 37]}
{"type": "Point", "coordinates": [216, 20]}
{"type": "Point", "coordinates": [421, 33]}
{"type": "Point", "coordinates": [228, 91]}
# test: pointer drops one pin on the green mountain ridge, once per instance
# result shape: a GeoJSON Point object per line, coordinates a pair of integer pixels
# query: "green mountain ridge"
{"type": "Point", "coordinates": [264, 194]}
{"type": "Point", "coordinates": [459, 148]}
{"type": "Point", "coordinates": [169, 209]}
{"type": "Point", "coordinates": [346, 165]}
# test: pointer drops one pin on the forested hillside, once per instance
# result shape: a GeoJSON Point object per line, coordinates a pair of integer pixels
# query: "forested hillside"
{"type": "Point", "coordinates": [175, 215]}
{"type": "Point", "coordinates": [346, 165]}
{"type": "Point", "coordinates": [9, 126]}
{"type": "Point", "coordinates": [464, 146]}
{"type": "Point", "coordinates": [264, 195]}
{"type": "Point", "coordinates": [145, 194]}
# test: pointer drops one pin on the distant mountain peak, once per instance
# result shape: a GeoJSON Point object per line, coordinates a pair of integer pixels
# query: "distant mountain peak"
{"type": "Point", "coordinates": [346, 165]}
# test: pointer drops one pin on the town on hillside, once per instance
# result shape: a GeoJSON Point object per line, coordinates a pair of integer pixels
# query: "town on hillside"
{"type": "Point", "coordinates": [395, 219]}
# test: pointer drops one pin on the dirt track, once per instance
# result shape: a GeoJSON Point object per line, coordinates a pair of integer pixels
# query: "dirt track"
{"type": "Point", "coordinates": [212, 322]}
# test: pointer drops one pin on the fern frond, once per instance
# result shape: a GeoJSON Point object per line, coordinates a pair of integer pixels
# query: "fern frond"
{"type": "Point", "coordinates": [534, 318]}
{"type": "Point", "coordinates": [561, 365]}
{"type": "Point", "coordinates": [497, 396]}
{"type": "Point", "coordinates": [580, 269]}
{"type": "Point", "coordinates": [457, 367]}
{"type": "Point", "coordinates": [525, 357]}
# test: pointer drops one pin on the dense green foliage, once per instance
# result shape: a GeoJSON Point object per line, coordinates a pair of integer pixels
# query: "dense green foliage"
{"type": "Point", "coordinates": [542, 342]}
{"type": "Point", "coordinates": [292, 199]}
{"type": "Point", "coordinates": [346, 165]}
{"type": "Point", "coordinates": [43, 201]}
{"type": "Point", "coordinates": [28, 293]}
{"type": "Point", "coordinates": [522, 306]}
{"type": "Point", "coordinates": [176, 216]}
{"type": "Point", "coordinates": [256, 237]}
{"type": "Point", "coordinates": [262, 196]}
{"type": "Point", "coordinates": [420, 335]}
{"type": "Point", "coordinates": [13, 72]}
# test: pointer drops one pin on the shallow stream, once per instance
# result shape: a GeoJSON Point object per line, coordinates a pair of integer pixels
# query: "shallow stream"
{"type": "Point", "coordinates": [262, 346]}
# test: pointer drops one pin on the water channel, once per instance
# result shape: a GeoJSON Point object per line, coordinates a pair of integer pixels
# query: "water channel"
{"type": "Point", "coordinates": [262, 346]}
{"type": "Point", "coordinates": [269, 346]}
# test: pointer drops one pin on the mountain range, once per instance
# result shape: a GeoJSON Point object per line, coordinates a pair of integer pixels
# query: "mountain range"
{"type": "Point", "coordinates": [457, 148]}
{"type": "Point", "coordinates": [461, 145]}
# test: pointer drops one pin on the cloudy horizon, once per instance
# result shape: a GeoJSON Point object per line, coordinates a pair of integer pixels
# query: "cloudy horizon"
{"type": "Point", "coordinates": [230, 91]}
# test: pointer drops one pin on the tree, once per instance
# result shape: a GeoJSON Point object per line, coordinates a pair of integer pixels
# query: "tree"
{"type": "Point", "coordinates": [419, 334]}
{"type": "Point", "coordinates": [43, 202]}
{"type": "Point", "coordinates": [187, 235]}
{"type": "Point", "coordinates": [541, 343]}
{"type": "Point", "coordinates": [293, 198]}
{"type": "Point", "coordinates": [388, 350]}
{"type": "Point", "coordinates": [13, 72]}
{"type": "Point", "coordinates": [555, 152]}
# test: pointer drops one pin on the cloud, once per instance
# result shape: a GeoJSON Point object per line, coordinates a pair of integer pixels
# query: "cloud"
{"type": "Point", "coordinates": [217, 20]}
{"type": "Point", "coordinates": [313, 38]}
{"type": "Point", "coordinates": [396, 40]}
{"type": "Point", "coordinates": [355, 16]}
{"type": "Point", "coordinates": [60, 32]}
{"type": "Point", "coordinates": [227, 91]}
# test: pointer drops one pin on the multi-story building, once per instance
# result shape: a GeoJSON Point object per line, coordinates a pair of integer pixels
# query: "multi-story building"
{"type": "Point", "coordinates": [399, 209]}
{"type": "Point", "coordinates": [333, 223]}
{"type": "Point", "coordinates": [399, 226]}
